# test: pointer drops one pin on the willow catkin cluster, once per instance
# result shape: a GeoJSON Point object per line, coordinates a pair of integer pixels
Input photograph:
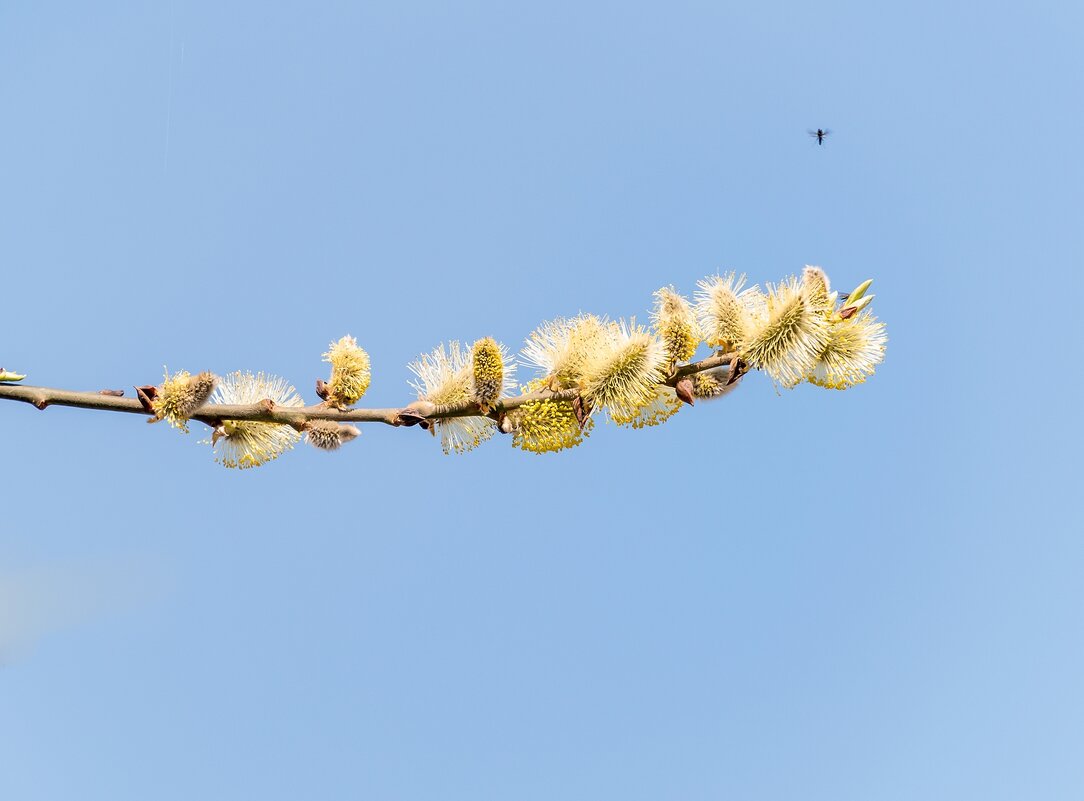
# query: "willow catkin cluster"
{"type": "Point", "coordinates": [587, 367]}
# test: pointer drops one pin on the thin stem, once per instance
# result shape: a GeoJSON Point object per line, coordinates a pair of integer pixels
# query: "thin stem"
{"type": "Point", "coordinates": [267, 412]}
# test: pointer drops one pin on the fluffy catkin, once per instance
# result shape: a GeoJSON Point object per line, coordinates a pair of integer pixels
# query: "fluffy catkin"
{"type": "Point", "coordinates": [327, 435]}
{"type": "Point", "coordinates": [623, 377]}
{"type": "Point", "coordinates": [854, 349]}
{"type": "Point", "coordinates": [350, 372]}
{"type": "Point", "coordinates": [247, 443]}
{"type": "Point", "coordinates": [789, 339]}
{"type": "Point", "coordinates": [547, 427]}
{"type": "Point", "coordinates": [727, 312]}
{"type": "Point", "coordinates": [487, 364]}
{"type": "Point", "coordinates": [676, 325]}
{"type": "Point", "coordinates": [180, 395]}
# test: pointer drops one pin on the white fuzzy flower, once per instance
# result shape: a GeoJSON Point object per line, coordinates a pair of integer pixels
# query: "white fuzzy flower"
{"type": "Point", "coordinates": [854, 349]}
{"type": "Point", "coordinates": [246, 443]}
{"type": "Point", "coordinates": [726, 311]}
{"type": "Point", "coordinates": [623, 376]}
{"type": "Point", "coordinates": [788, 340]}
{"type": "Point", "coordinates": [561, 348]}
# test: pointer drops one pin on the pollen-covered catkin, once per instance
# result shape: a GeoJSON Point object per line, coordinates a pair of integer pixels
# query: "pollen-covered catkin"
{"type": "Point", "coordinates": [622, 378]}
{"type": "Point", "coordinates": [561, 348]}
{"type": "Point", "coordinates": [818, 290]}
{"type": "Point", "coordinates": [676, 325]}
{"type": "Point", "coordinates": [248, 443]}
{"type": "Point", "coordinates": [487, 362]}
{"type": "Point", "coordinates": [854, 349]}
{"type": "Point", "coordinates": [350, 372]}
{"type": "Point", "coordinates": [664, 405]}
{"type": "Point", "coordinates": [180, 395]}
{"type": "Point", "coordinates": [547, 427]}
{"type": "Point", "coordinates": [726, 311]}
{"type": "Point", "coordinates": [446, 378]}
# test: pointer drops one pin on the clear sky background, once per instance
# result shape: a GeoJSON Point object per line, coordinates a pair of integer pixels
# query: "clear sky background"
{"type": "Point", "coordinates": [865, 595]}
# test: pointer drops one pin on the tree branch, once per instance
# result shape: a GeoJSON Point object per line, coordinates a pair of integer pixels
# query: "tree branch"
{"type": "Point", "coordinates": [267, 412]}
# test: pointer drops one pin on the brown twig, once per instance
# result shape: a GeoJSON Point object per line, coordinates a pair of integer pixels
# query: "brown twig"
{"type": "Point", "coordinates": [419, 412]}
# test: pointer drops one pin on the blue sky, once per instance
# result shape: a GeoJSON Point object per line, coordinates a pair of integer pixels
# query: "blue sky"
{"type": "Point", "coordinates": [816, 595]}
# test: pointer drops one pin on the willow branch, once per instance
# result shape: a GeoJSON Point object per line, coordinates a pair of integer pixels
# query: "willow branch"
{"type": "Point", "coordinates": [710, 363]}
{"type": "Point", "coordinates": [267, 412]}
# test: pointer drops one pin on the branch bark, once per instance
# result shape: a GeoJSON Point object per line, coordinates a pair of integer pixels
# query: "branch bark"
{"type": "Point", "coordinates": [267, 412]}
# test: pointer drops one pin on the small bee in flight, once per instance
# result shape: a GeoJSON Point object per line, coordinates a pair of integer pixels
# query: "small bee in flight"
{"type": "Point", "coordinates": [819, 135]}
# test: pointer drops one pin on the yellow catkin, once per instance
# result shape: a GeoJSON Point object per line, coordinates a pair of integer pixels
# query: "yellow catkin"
{"type": "Point", "coordinates": [180, 395]}
{"type": "Point", "coordinates": [243, 444]}
{"type": "Point", "coordinates": [350, 372]}
{"type": "Point", "coordinates": [655, 412]}
{"type": "Point", "coordinates": [788, 340]}
{"type": "Point", "coordinates": [675, 324]}
{"type": "Point", "coordinates": [488, 371]}
{"type": "Point", "coordinates": [727, 312]}
{"type": "Point", "coordinates": [711, 384]}
{"type": "Point", "coordinates": [547, 427]}
{"type": "Point", "coordinates": [817, 289]}
{"type": "Point", "coordinates": [561, 348]}
{"type": "Point", "coordinates": [854, 349]}
{"type": "Point", "coordinates": [623, 378]}
{"type": "Point", "coordinates": [446, 378]}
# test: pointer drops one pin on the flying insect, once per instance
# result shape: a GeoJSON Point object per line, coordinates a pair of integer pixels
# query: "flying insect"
{"type": "Point", "coordinates": [819, 134]}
